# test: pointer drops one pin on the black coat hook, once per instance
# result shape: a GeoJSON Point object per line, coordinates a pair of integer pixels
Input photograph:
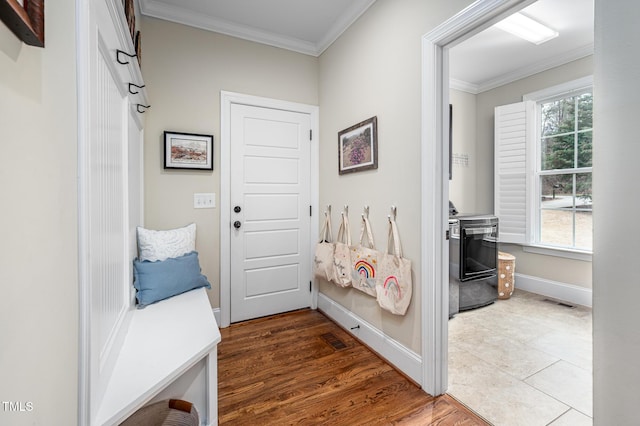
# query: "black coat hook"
{"type": "Point", "coordinates": [118, 52]}
{"type": "Point", "coordinates": [135, 85]}
{"type": "Point", "coordinates": [138, 106]}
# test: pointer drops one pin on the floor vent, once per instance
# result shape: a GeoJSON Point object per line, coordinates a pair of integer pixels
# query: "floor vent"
{"type": "Point", "coordinates": [331, 339]}
{"type": "Point", "coordinates": [555, 302]}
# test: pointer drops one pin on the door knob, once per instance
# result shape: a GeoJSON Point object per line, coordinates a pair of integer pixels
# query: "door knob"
{"type": "Point", "coordinates": [237, 224]}
{"type": "Point", "coordinates": [237, 209]}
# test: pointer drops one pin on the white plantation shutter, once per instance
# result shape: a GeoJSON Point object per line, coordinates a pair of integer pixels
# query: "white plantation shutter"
{"type": "Point", "coordinates": [514, 140]}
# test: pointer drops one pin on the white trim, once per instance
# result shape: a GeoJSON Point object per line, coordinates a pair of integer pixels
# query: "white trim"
{"type": "Point", "coordinates": [560, 90]}
{"type": "Point", "coordinates": [434, 179]}
{"type": "Point", "coordinates": [315, 198]}
{"type": "Point", "coordinates": [180, 15]}
{"type": "Point", "coordinates": [197, 20]}
{"type": "Point", "coordinates": [531, 154]}
{"type": "Point", "coordinates": [434, 190]}
{"type": "Point", "coordinates": [561, 291]}
{"type": "Point", "coordinates": [559, 252]}
{"type": "Point", "coordinates": [464, 86]}
{"type": "Point", "coordinates": [84, 289]}
{"type": "Point", "coordinates": [401, 357]}
{"type": "Point", "coordinates": [524, 72]}
{"type": "Point", "coordinates": [538, 67]}
{"type": "Point", "coordinates": [549, 94]}
{"type": "Point", "coordinates": [225, 209]}
{"type": "Point", "coordinates": [216, 314]}
{"type": "Point", "coordinates": [343, 22]}
{"type": "Point", "coordinates": [226, 100]}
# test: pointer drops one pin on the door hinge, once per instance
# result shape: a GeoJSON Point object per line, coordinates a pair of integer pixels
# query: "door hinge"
{"type": "Point", "coordinates": [310, 134]}
{"type": "Point", "coordinates": [309, 286]}
{"type": "Point", "coordinates": [446, 234]}
{"type": "Point", "coordinates": [310, 213]}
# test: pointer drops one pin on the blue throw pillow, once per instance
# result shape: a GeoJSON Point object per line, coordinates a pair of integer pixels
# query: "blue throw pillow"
{"type": "Point", "coordinates": [162, 279]}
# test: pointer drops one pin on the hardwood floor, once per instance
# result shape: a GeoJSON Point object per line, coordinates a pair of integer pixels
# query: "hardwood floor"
{"type": "Point", "coordinates": [301, 368]}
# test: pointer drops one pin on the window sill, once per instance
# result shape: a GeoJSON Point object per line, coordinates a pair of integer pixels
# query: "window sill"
{"type": "Point", "coordinates": [585, 256]}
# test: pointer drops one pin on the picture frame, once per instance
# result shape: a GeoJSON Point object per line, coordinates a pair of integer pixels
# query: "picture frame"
{"type": "Point", "coordinates": [25, 18]}
{"type": "Point", "coordinates": [358, 147]}
{"type": "Point", "coordinates": [130, 14]}
{"type": "Point", "coordinates": [188, 151]}
{"type": "Point", "coordinates": [137, 44]}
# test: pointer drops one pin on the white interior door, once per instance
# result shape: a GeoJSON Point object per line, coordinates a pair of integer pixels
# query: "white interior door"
{"type": "Point", "coordinates": [270, 211]}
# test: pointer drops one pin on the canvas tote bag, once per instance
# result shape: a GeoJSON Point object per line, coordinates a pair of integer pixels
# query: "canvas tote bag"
{"type": "Point", "coordinates": [364, 261]}
{"type": "Point", "coordinates": [342, 254]}
{"type": "Point", "coordinates": [323, 265]}
{"type": "Point", "coordinates": [393, 283]}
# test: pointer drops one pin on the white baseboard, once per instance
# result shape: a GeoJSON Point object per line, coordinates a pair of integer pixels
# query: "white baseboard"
{"type": "Point", "coordinates": [554, 289]}
{"type": "Point", "coordinates": [402, 358]}
{"type": "Point", "coordinates": [216, 314]}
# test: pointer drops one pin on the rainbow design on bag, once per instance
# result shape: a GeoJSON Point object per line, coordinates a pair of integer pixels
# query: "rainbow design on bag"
{"type": "Point", "coordinates": [365, 269]}
{"type": "Point", "coordinates": [391, 283]}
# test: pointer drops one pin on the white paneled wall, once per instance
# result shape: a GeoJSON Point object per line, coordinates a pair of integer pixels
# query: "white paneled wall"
{"type": "Point", "coordinates": [111, 194]}
{"type": "Point", "coordinates": [108, 220]}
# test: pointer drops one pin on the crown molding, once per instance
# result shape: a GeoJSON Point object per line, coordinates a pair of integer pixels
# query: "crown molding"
{"type": "Point", "coordinates": [463, 86]}
{"type": "Point", "coordinates": [185, 17]}
{"type": "Point", "coordinates": [524, 72]}
{"type": "Point", "coordinates": [203, 22]}
{"type": "Point", "coordinates": [347, 19]}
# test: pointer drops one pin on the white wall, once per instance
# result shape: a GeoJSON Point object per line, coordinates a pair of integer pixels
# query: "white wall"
{"type": "Point", "coordinates": [374, 70]}
{"type": "Point", "coordinates": [185, 69]}
{"type": "Point", "coordinates": [615, 175]}
{"type": "Point", "coordinates": [38, 235]}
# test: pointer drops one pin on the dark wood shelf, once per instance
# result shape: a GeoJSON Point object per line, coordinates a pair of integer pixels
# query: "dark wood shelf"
{"type": "Point", "coordinates": [26, 22]}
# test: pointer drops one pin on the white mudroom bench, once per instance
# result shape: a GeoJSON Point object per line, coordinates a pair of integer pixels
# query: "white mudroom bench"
{"type": "Point", "coordinates": [169, 351]}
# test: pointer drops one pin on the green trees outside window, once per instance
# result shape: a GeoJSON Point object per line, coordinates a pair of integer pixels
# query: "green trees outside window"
{"type": "Point", "coordinates": [566, 202]}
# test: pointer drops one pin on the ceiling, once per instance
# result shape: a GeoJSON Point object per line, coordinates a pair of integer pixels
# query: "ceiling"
{"type": "Point", "coordinates": [494, 57]}
{"type": "Point", "coordinates": [480, 63]}
{"type": "Point", "coordinates": [304, 26]}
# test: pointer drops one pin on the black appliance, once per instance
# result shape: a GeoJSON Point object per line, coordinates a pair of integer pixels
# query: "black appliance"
{"type": "Point", "coordinates": [473, 261]}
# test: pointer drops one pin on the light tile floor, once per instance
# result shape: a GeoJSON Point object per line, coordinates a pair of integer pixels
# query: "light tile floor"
{"type": "Point", "coordinates": [523, 361]}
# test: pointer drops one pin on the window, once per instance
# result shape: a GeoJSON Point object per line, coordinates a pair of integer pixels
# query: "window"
{"type": "Point", "coordinates": [543, 167]}
{"type": "Point", "coordinates": [563, 174]}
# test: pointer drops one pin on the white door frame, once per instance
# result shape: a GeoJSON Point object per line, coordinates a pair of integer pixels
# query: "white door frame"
{"type": "Point", "coordinates": [226, 100]}
{"type": "Point", "coordinates": [435, 174]}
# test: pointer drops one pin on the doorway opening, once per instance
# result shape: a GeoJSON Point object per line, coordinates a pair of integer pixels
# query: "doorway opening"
{"type": "Point", "coordinates": [437, 98]}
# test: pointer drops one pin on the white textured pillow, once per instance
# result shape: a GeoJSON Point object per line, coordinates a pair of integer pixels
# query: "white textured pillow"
{"type": "Point", "coordinates": [162, 245]}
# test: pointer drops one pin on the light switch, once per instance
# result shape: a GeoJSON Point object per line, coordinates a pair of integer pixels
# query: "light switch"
{"type": "Point", "coordinates": [204, 200]}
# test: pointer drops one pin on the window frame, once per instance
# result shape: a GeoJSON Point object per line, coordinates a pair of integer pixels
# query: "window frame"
{"type": "Point", "coordinates": [534, 244]}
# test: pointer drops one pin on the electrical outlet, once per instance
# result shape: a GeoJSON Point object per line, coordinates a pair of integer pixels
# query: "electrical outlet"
{"type": "Point", "coordinates": [205, 200]}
